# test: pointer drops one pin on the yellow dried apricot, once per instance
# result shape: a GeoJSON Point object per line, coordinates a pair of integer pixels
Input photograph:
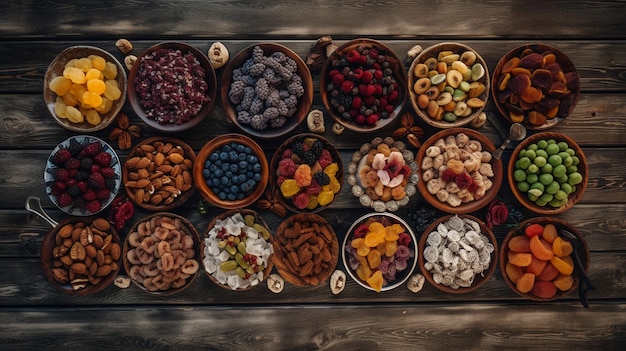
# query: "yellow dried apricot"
{"type": "Point", "coordinates": [325, 197]}
{"type": "Point", "coordinates": [549, 233]}
{"type": "Point", "coordinates": [364, 272]}
{"type": "Point", "coordinates": [562, 247]}
{"type": "Point", "coordinates": [525, 283]}
{"type": "Point", "coordinates": [373, 238]}
{"type": "Point", "coordinates": [564, 265]}
{"type": "Point", "coordinates": [289, 188]}
{"type": "Point", "coordinates": [563, 282]}
{"type": "Point", "coordinates": [375, 281]}
{"type": "Point", "coordinates": [390, 248]}
{"type": "Point", "coordinates": [359, 245]}
{"type": "Point", "coordinates": [373, 259]}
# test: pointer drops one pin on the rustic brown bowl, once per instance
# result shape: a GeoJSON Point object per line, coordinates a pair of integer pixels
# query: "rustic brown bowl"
{"type": "Point", "coordinates": [479, 279]}
{"type": "Point", "coordinates": [399, 74]}
{"type": "Point", "coordinates": [215, 144]}
{"type": "Point", "coordinates": [288, 203]}
{"type": "Point", "coordinates": [500, 96]}
{"type": "Point", "coordinates": [56, 69]}
{"type": "Point", "coordinates": [210, 79]}
{"type": "Point", "coordinates": [185, 172]}
{"type": "Point", "coordinates": [191, 230]}
{"type": "Point", "coordinates": [560, 225]}
{"type": "Point", "coordinates": [304, 102]}
{"type": "Point", "coordinates": [434, 51]}
{"type": "Point", "coordinates": [282, 251]}
{"type": "Point", "coordinates": [573, 198]}
{"type": "Point", "coordinates": [471, 206]}
{"type": "Point", "coordinates": [388, 219]}
{"type": "Point", "coordinates": [257, 219]}
{"type": "Point", "coordinates": [47, 256]}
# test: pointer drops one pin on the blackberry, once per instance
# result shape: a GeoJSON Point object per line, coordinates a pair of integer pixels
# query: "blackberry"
{"type": "Point", "coordinates": [309, 158]}
{"type": "Point", "coordinates": [322, 178]}
{"type": "Point", "coordinates": [344, 100]}
{"type": "Point", "coordinates": [110, 183]}
{"type": "Point", "coordinates": [317, 148]}
{"type": "Point", "coordinates": [82, 175]}
{"type": "Point", "coordinates": [73, 191]}
{"type": "Point", "coordinates": [75, 147]}
{"type": "Point", "coordinates": [298, 148]}
{"type": "Point", "coordinates": [86, 162]}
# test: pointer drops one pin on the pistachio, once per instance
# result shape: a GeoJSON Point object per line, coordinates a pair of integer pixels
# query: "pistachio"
{"type": "Point", "coordinates": [337, 282]}
{"type": "Point", "coordinates": [124, 46]}
{"type": "Point", "coordinates": [275, 283]}
{"type": "Point", "coordinates": [416, 283]}
{"type": "Point", "coordinates": [315, 121]}
{"type": "Point", "coordinates": [218, 55]}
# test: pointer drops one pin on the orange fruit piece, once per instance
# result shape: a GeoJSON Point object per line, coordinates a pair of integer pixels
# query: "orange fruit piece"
{"type": "Point", "coordinates": [562, 247]}
{"type": "Point", "coordinates": [364, 272]}
{"type": "Point", "coordinates": [376, 281]}
{"type": "Point", "coordinates": [563, 282]}
{"type": "Point", "coordinates": [549, 233]}
{"type": "Point", "coordinates": [513, 272]}
{"type": "Point", "coordinates": [541, 248]}
{"type": "Point", "coordinates": [564, 264]}
{"type": "Point", "coordinates": [373, 259]}
{"type": "Point", "coordinates": [544, 290]}
{"type": "Point", "coordinates": [519, 243]}
{"type": "Point", "coordinates": [520, 259]}
{"type": "Point", "coordinates": [359, 245]}
{"type": "Point", "coordinates": [536, 266]}
{"type": "Point", "coordinates": [525, 283]}
{"type": "Point", "coordinates": [391, 233]}
{"type": "Point", "coordinates": [390, 248]}
{"type": "Point", "coordinates": [548, 273]}
{"type": "Point", "coordinates": [373, 238]}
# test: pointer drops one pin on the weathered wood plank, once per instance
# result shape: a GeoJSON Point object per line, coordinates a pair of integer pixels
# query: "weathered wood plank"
{"type": "Point", "coordinates": [361, 327]}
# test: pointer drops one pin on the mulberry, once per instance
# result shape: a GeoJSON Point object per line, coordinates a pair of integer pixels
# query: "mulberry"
{"type": "Point", "coordinates": [270, 113]}
{"type": "Point", "coordinates": [256, 106]}
{"type": "Point", "coordinates": [244, 117]}
{"type": "Point", "coordinates": [278, 122]}
{"type": "Point", "coordinates": [262, 88]}
{"type": "Point", "coordinates": [295, 89]}
{"type": "Point", "coordinates": [258, 122]}
{"type": "Point", "coordinates": [322, 178]}
{"type": "Point", "coordinates": [257, 69]}
{"type": "Point", "coordinates": [278, 56]}
{"type": "Point", "coordinates": [257, 54]}
{"type": "Point", "coordinates": [236, 92]}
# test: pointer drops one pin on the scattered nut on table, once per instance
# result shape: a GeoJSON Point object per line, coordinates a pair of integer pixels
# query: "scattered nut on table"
{"type": "Point", "coordinates": [129, 61]}
{"type": "Point", "coordinates": [122, 281]}
{"type": "Point", "coordinates": [416, 282]}
{"type": "Point", "coordinates": [479, 120]}
{"type": "Point", "coordinates": [337, 281]}
{"type": "Point", "coordinates": [218, 54]}
{"type": "Point", "coordinates": [275, 283]}
{"type": "Point", "coordinates": [315, 121]}
{"type": "Point", "coordinates": [338, 128]}
{"type": "Point", "coordinates": [124, 46]}
{"type": "Point", "coordinates": [413, 52]}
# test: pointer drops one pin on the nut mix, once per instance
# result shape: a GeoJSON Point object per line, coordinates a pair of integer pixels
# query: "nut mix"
{"type": "Point", "coordinates": [85, 253]}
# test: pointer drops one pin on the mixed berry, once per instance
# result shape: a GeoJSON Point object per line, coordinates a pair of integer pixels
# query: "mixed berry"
{"type": "Point", "coordinates": [232, 172]}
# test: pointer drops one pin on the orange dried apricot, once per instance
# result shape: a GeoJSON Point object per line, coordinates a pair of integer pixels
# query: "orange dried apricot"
{"type": "Point", "coordinates": [359, 245]}
{"type": "Point", "coordinates": [536, 266]}
{"type": "Point", "coordinates": [519, 243]}
{"type": "Point", "coordinates": [364, 272]}
{"type": "Point", "coordinates": [372, 239]}
{"type": "Point", "coordinates": [513, 272]}
{"type": "Point", "coordinates": [544, 290]}
{"type": "Point", "coordinates": [391, 234]}
{"type": "Point", "coordinates": [563, 282]}
{"type": "Point", "coordinates": [562, 247]}
{"type": "Point", "coordinates": [549, 273]}
{"type": "Point", "coordinates": [520, 259]}
{"type": "Point", "coordinates": [376, 281]}
{"type": "Point", "coordinates": [373, 258]}
{"type": "Point", "coordinates": [564, 265]}
{"type": "Point", "coordinates": [541, 248]}
{"type": "Point", "coordinates": [549, 233]}
{"type": "Point", "coordinates": [525, 283]}
{"type": "Point", "coordinates": [533, 229]}
{"type": "Point", "coordinates": [303, 175]}
{"type": "Point", "coordinates": [390, 248]}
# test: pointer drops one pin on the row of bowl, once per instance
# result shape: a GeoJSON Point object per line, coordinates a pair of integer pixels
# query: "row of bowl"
{"type": "Point", "coordinates": [363, 86]}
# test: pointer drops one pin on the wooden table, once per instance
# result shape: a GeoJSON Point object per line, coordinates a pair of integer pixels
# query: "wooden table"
{"type": "Point", "coordinates": [35, 315]}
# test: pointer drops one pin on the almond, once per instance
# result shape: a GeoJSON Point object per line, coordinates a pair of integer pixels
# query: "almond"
{"type": "Point", "coordinates": [101, 224]}
{"type": "Point", "coordinates": [132, 162]}
{"type": "Point", "coordinates": [66, 231]}
{"type": "Point", "coordinates": [159, 158]}
{"type": "Point", "coordinates": [147, 148]}
{"type": "Point", "coordinates": [176, 158]}
{"type": "Point", "coordinates": [139, 195]}
{"type": "Point", "coordinates": [143, 163]}
{"type": "Point", "coordinates": [116, 251]}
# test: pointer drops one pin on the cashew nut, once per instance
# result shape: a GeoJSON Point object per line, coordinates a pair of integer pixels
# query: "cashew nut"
{"type": "Point", "coordinates": [416, 282]}
{"type": "Point", "coordinates": [338, 128]}
{"type": "Point", "coordinates": [122, 281]}
{"type": "Point", "coordinates": [337, 281]}
{"type": "Point", "coordinates": [315, 121]}
{"type": "Point", "coordinates": [218, 55]}
{"type": "Point", "coordinates": [275, 283]}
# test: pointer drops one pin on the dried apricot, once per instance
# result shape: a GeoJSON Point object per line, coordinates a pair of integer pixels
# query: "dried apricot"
{"type": "Point", "coordinates": [375, 281]}
{"type": "Point", "coordinates": [564, 265]}
{"type": "Point", "coordinates": [359, 245]}
{"type": "Point", "coordinates": [520, 259]}
{"type": "Point", "coordinates": [525, 283]}
{"type": "Point", "coordinates": [374, 258]}
{"type": "Point", "coordinates": [519, 243]}
{"type": "Point", "coordinates": [544, 290]}
{"type": "Point", "coordinates": [549, 273]}
{"type": "Point", "coordinates": [364, 272]}
{"type": "Point", "coordinates": [513, 272]}
{"type": "Point", "coordinates": [373, 238]}
{"type": "Point", "coordinates": [549, 233]}
{"type": "Point", "coordinates": [536, 266]}
{"type": "Point", "coordinates": [391, 234]}
{"type": "Point", "coordinates": [541, 248]}
{"type": "Point", "coordinates": [390, 248]}
{"type": "Point", "coordinates": [533, 229]}
{"type": "Point", "coordinates": [563, 282]}
{"type": "Point", "coordinates": [562, 247]}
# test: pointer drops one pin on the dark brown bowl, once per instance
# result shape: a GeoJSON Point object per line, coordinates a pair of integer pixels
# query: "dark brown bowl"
{"type": "Point", "coordinates": [434, 51]}
{"type": "Point", "coordinates": [321, 267]}
{"type": "Point", "coordinates": [275, 174]}
{"type": "Point", "coordinates": [209, 77]}
{"type": "Point", "coordinates": [50, 257]}
{"type": "Point", "coordinates": [204, 154]}
{"type": "Point", "coordinates": [56, 68]}
{"type": "Point", "coordinates": [472, 205]}
{"type": "Point", "coordinates": [560, 225]}
{"type": "Point", "coordinates": [480, 278]}
{"type": "Point", "coordinates": [399, 74]}
{"type": "Point", "coordinates": [573, 198]}
{"type": "Point", "coordinates": [257, 220]}
{"type": "Point", "coordinates": [163, 175]}
{"type": "Point", "coordinates": [566, 100]}
{"type": "Point", "coordinates": [304, 102]}
{"type": "Point", "coordinates": [145, 229]}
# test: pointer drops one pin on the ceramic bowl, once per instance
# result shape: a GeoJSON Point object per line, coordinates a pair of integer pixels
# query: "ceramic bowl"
{"type": "Point", "coordinates": [169, 117]}
{"type": "Point", "coordinates": [168, 179]}
{"type": "Point", "coordinates": [342, 58]}
{"type": "Point", "coordinates": [304, 97]}
{"type": "Point", "coordinates": [474, 96]}
{"type": "Point", "coordinates": [325, 159]}
{"type": "Point", "coordinates": [436, 241]}
{"type": "Point", "coordinates": [79, 205]}
{"type": "Point", "coordinates": [573, 193]}
{"type": "Point", "coordinates": [394, 256]}
{"type": "Point", "coordinates": [476, 199]}
{"type": "Point", "coordinates": [541, 270]}
{"type": "Point", "coordinates": [208, 167]}
{"type": "Point", "coordinates": [56, 68]}
{"type": "Point", "coordinates": [250, 222]}
{"type": "Point", "coordinates": [162, 253]}
{"type": "Point", "coordinates": [560, 87]}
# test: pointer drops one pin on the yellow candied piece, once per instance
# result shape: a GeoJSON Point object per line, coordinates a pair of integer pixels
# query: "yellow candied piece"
{"type": "Point", "coordinates": [375, 226]}
{"type": "Point", "coordinates": [312, 202]}
{"type": "Point", "coordinates": [374, 258]}
{"type": "Point", "coordinates": [75, 75]}
{"type": "Point", "coordinates": [93, 117]}
{"type": "Point", "coordinates": [74, 115]}
{"type": "Point", "coordinates": [289, 188]}
{"type": "Point", "coordinates": [94, 74]}
{"type": "Point", "coordinates": [91, 99]}
{"type": "Point", "coordinates": [364, 272]}
{"type": "Point", "coordinates": [390, 248]}
{"type": "Point", "coordinates": [97, 62]}
{"type": "Point", "coordinates": [84, 64]}
{"type": "Point", "coordinates": [105, 106]}
{"type": "Point", "coordinates": [77, 90]}
{"type": "Point", "coordinates": [96, 85]}
{"type": "Point", "coordinates": [391, 234]}
{"type": "Point", "coordinates": [60, 108]}
{"type": "Point", "coordinates": [375, 281]}
{"type": "Point", "coordinates": [361, 248]}
{"type": "Point", "coordinates": [373, 238]}
{"type": "Point", "coordinates": [325, 197]}
{"type": "Point", "coordinates": [60, 85]}
{"type": "Point", "coordinates": [332, 169]}
{"type": "Point", "coordinates": [70, 99]}
{"type": "Point", "coordinates": [110, 70]}
{"type": "Point", "coordinates": [112, 91]}
{"type": "Point", "coordinates": [334, 185]}
{"type": "Point", "coordinates": [71, 63]}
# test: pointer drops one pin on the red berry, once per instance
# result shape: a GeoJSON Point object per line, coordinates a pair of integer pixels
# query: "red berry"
{"type": "Point", "coordinates": [103, 159]}
{"type": "Point", "coordinates": [353, 112]}
{"type": "Point", "coordinates": [92, 149]}
{"type": "Point", "coordinates": [89, 195]}
{"type": "Point", "coordinates": [107, 172]}
{"type": "Point", "coordinates": [373, 53]}
{"type": "Point", "coordinates": [367, 77]}
{"type": "Point", "coordinates": [59, 185]}
{"type": "Point", "coordinates": [82, 186]}
{"type": "Point", "coordinates": [370, 90]}
{"type": "Point", "coordinates": [371, 119]}
{"type": "Point", "coordinates": [61, 156]}
{"type": "Point", "coordinates": [378, 89]}
{"type": "Point", "coordinates": [369, 100]}
{"type": "Point", "coordinates": [93, 206]}
{"type": "Point", "coordinates": [357, 73]}
{"type": "Point", "coordinates": [389, 108]}
{"type": "Point", "coordinates": [353, 56]}
{"type": "Point", "coordinates": [96, 180]}
{"type": "Point", "coordinates": [356, 102]}
{"type": "Point", "coordinates": [360, 119]}
{"type": "Point", "coordinates": [338, 79]}
{"type": "Point", "coordinates": [103, 194]}
{"type": "Point", "coordinates": [393, 96]}
{"type": "Point", "coordinates": [64, 199]}
{"type": "Point", "coordinates": [347, 86]}
{"type": "Point", "coordinates": [72, 163]}
{"type": "Point", "coordinates": [94, 169]}
{"type": "Point", "coordinates": [333, 72]}
{"type": "Point", "coordinates": [61, 174]}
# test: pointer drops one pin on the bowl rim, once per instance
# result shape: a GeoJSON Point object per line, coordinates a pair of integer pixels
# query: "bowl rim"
{"type": "Point", "coordinates": [197, 247]}
{"type": "Point", "coordinates": [116, 165]}
{"type": "Point", "coordinates": [479, 279]}
{"type": "Point", "coordinates": [274, 167]}
{"type": "Point", "coordinates": [212, 145]}
{"type": "Point", "coordinates": [350, 232]}
{"type": "Point", "coordinates": [189, 153]}
{"type": "Point", "coordinates": [399, 75]}
{"type": "Point", "coordinates": [474, 205]}
{"type": "Point", "coordinates": [210, 77]}
{"type": "Point", "coordinates": [580, 188]}
{"type": "Point", "coordinates": [230, 213]}
{"type": "Point", "coordinates": [46, 257]}
{"type": "Point", "coordinates": [428, 52]}
{"type": "Point", "coordinates": [559, 223]}
{"type": "Point", "coordinates": [304, 102]}
{"type": "Point", "coordinates": [62, 58]}
{"type": "Point", "coordinates": [517, 51]}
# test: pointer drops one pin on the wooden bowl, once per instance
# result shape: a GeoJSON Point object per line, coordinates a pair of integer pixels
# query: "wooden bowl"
{"type": "Point", "coordinates": [221, 217]}
{"type": "Point", "coordinates": [53, 238]}
{"type": "Point", "coordinates": [304, 102]}
{"type": "Point", "coordinates": [276, 173]}
{"type": "Point", "coordinates": [56, 68]}
{"type": "Point", "coordinates": [573, 197]}
{"type": "Point", "coordinates": [560, 225]}
{"type": "Point", "coordinates": [565, 100]}
{"type": "Point", "coordinates": [433, 52]}
{"type": "Point", "coordinates": [480, 278]}
{"type": "Point", "coordinates": [179, 176]}
{"type": "Point", "coordinates": [470, 206]}
{"type": "Point", "coordinates": [216, 144]}
{"type": "Point", "coordinates": [209, 78]}
{"type": "Point", "coordinates": [77, 207]}
{"type": "Point", "coordinates": [286, 245]}
{"type": "Point", "coordinates": [145, 232]}
{"type": "Point", "coordinates": [348, 253]}
{"type": "Point", "coordinates": [398, 73]}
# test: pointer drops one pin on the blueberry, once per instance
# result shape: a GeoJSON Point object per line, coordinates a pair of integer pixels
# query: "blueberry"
{"type": "Point", "coordinates": [209, 182]}
{"type": "Point", "coordinates": [223, 156]}
{"type": "Point", "coordinates": [231, 197]}
{"type": "Point", "coordinates": [213, 168]}
{"type": "Point", "coordinates": [256, 167]}
{"type": "Point", "coordinates": [214, 156]}
{"type": "Point", "coordinates": [245, 187]}
{"type": "Point", "coordinates": [240, 196]}
{"type": "Point", "coordinates": [225, 166]}
{"type": "Point", "coordinates": [233, 156]}
{"type": "Point", "coordinates": [224, 180]}
{"type": "Point", "coordinates": [253, 159]}
{"type": "Point", "coordinates": [257, 177]}
{"type": "Point", "coordinates": [215, 189]}
{"type": "Point", "coordinates": [218, 163]}
{"type": "Point", "coordinates": [222, 195]}
{"type": "Point", "coordinates": [218, 173]}
{"type": "Point", "coordinates": [228, 174]}
{"type": "Point", "coordinates": [243, 165]}
{"type": "Point", "coordinates": [249, 175]}
{"type": "Point", "coordinates": [234, 145]}
{"type": "Point", "coordinates": [242, 156]}
{"type": "Point", "coordinates": [226, 148]}
{"type": "Point", "coordinates": [242, 178]}
{"type": "Point", "coordinates": [251, 183]}
{"type": "Point", "coordinates": [247, 150]}
{"type": "Point", "coordinates": [207, 164]}
{"type": "Point", "coordinates": [205, 173]}
{"type": "Point", "coordinates": [234, 189]}
{"type": "Point", "coordinates": [240, 148]}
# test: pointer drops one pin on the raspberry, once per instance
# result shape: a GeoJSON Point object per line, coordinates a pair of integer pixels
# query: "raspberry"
{"type": "Point", "coordinates": [286, 153]}
{"type": "Point", "coordinates": [301, 200]}
{"type": "Point", "coordinates": [338, 79]}
{"type": "Point", "coordinates": [367, 77]}
{"type": "Point", "coordinates": [357, 73]}
{"type": "Point", "coordinates": [448, 175]}
{"type": "Point", "coordinates": [92, 149]}
{"type": "Point", "coordinates": [103, 194]}
{"type": "Point", "coordinates": [356, 102]}
{"type": "Point", "coordinates": [59, 185]}
{"type": "Point", "coordinates": [325, 158]}
{"type": "Point", "coordinates": [82, 175]}
{"type": "Point", "coordinates": [61, 156]}
{"type": "Point", "coordinates": [61, 174]}
{"type": "Point", "coordinates": [64, 199]}
{"type": "Point", "coordinates": [89, 195]}
{"type": "Point", "coordinates": [371, 119]}
{"type": "Point", "coordinates": [286, 167]}
{"type": "Point", "coordinates": [314, 188]}
{"type": "Point", "coordinates": [353, 56]}
{"type": "Point", "coordinates": [347, 86]}
{"type": "Point", "coordinates": [378, 74]}
{"type": "Point", "coordinates": [72, 163]}
{"type": "Point", "coordinates": [107, 172]}
{"type": "Point", "coordinates": [361, 230]}
{"type": "Point", "coordinates": [103, 159]}
{"type": "Point", "coordinates": [94, 169]}
{"type": "Point", "coordinates": [82, 186]}
{"type": "Point", "coordinates": [96, 180]}
{"type": "Point", "coordinates": [360, 119]}
{"type": "Point", "coordinates": [93, 206]}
